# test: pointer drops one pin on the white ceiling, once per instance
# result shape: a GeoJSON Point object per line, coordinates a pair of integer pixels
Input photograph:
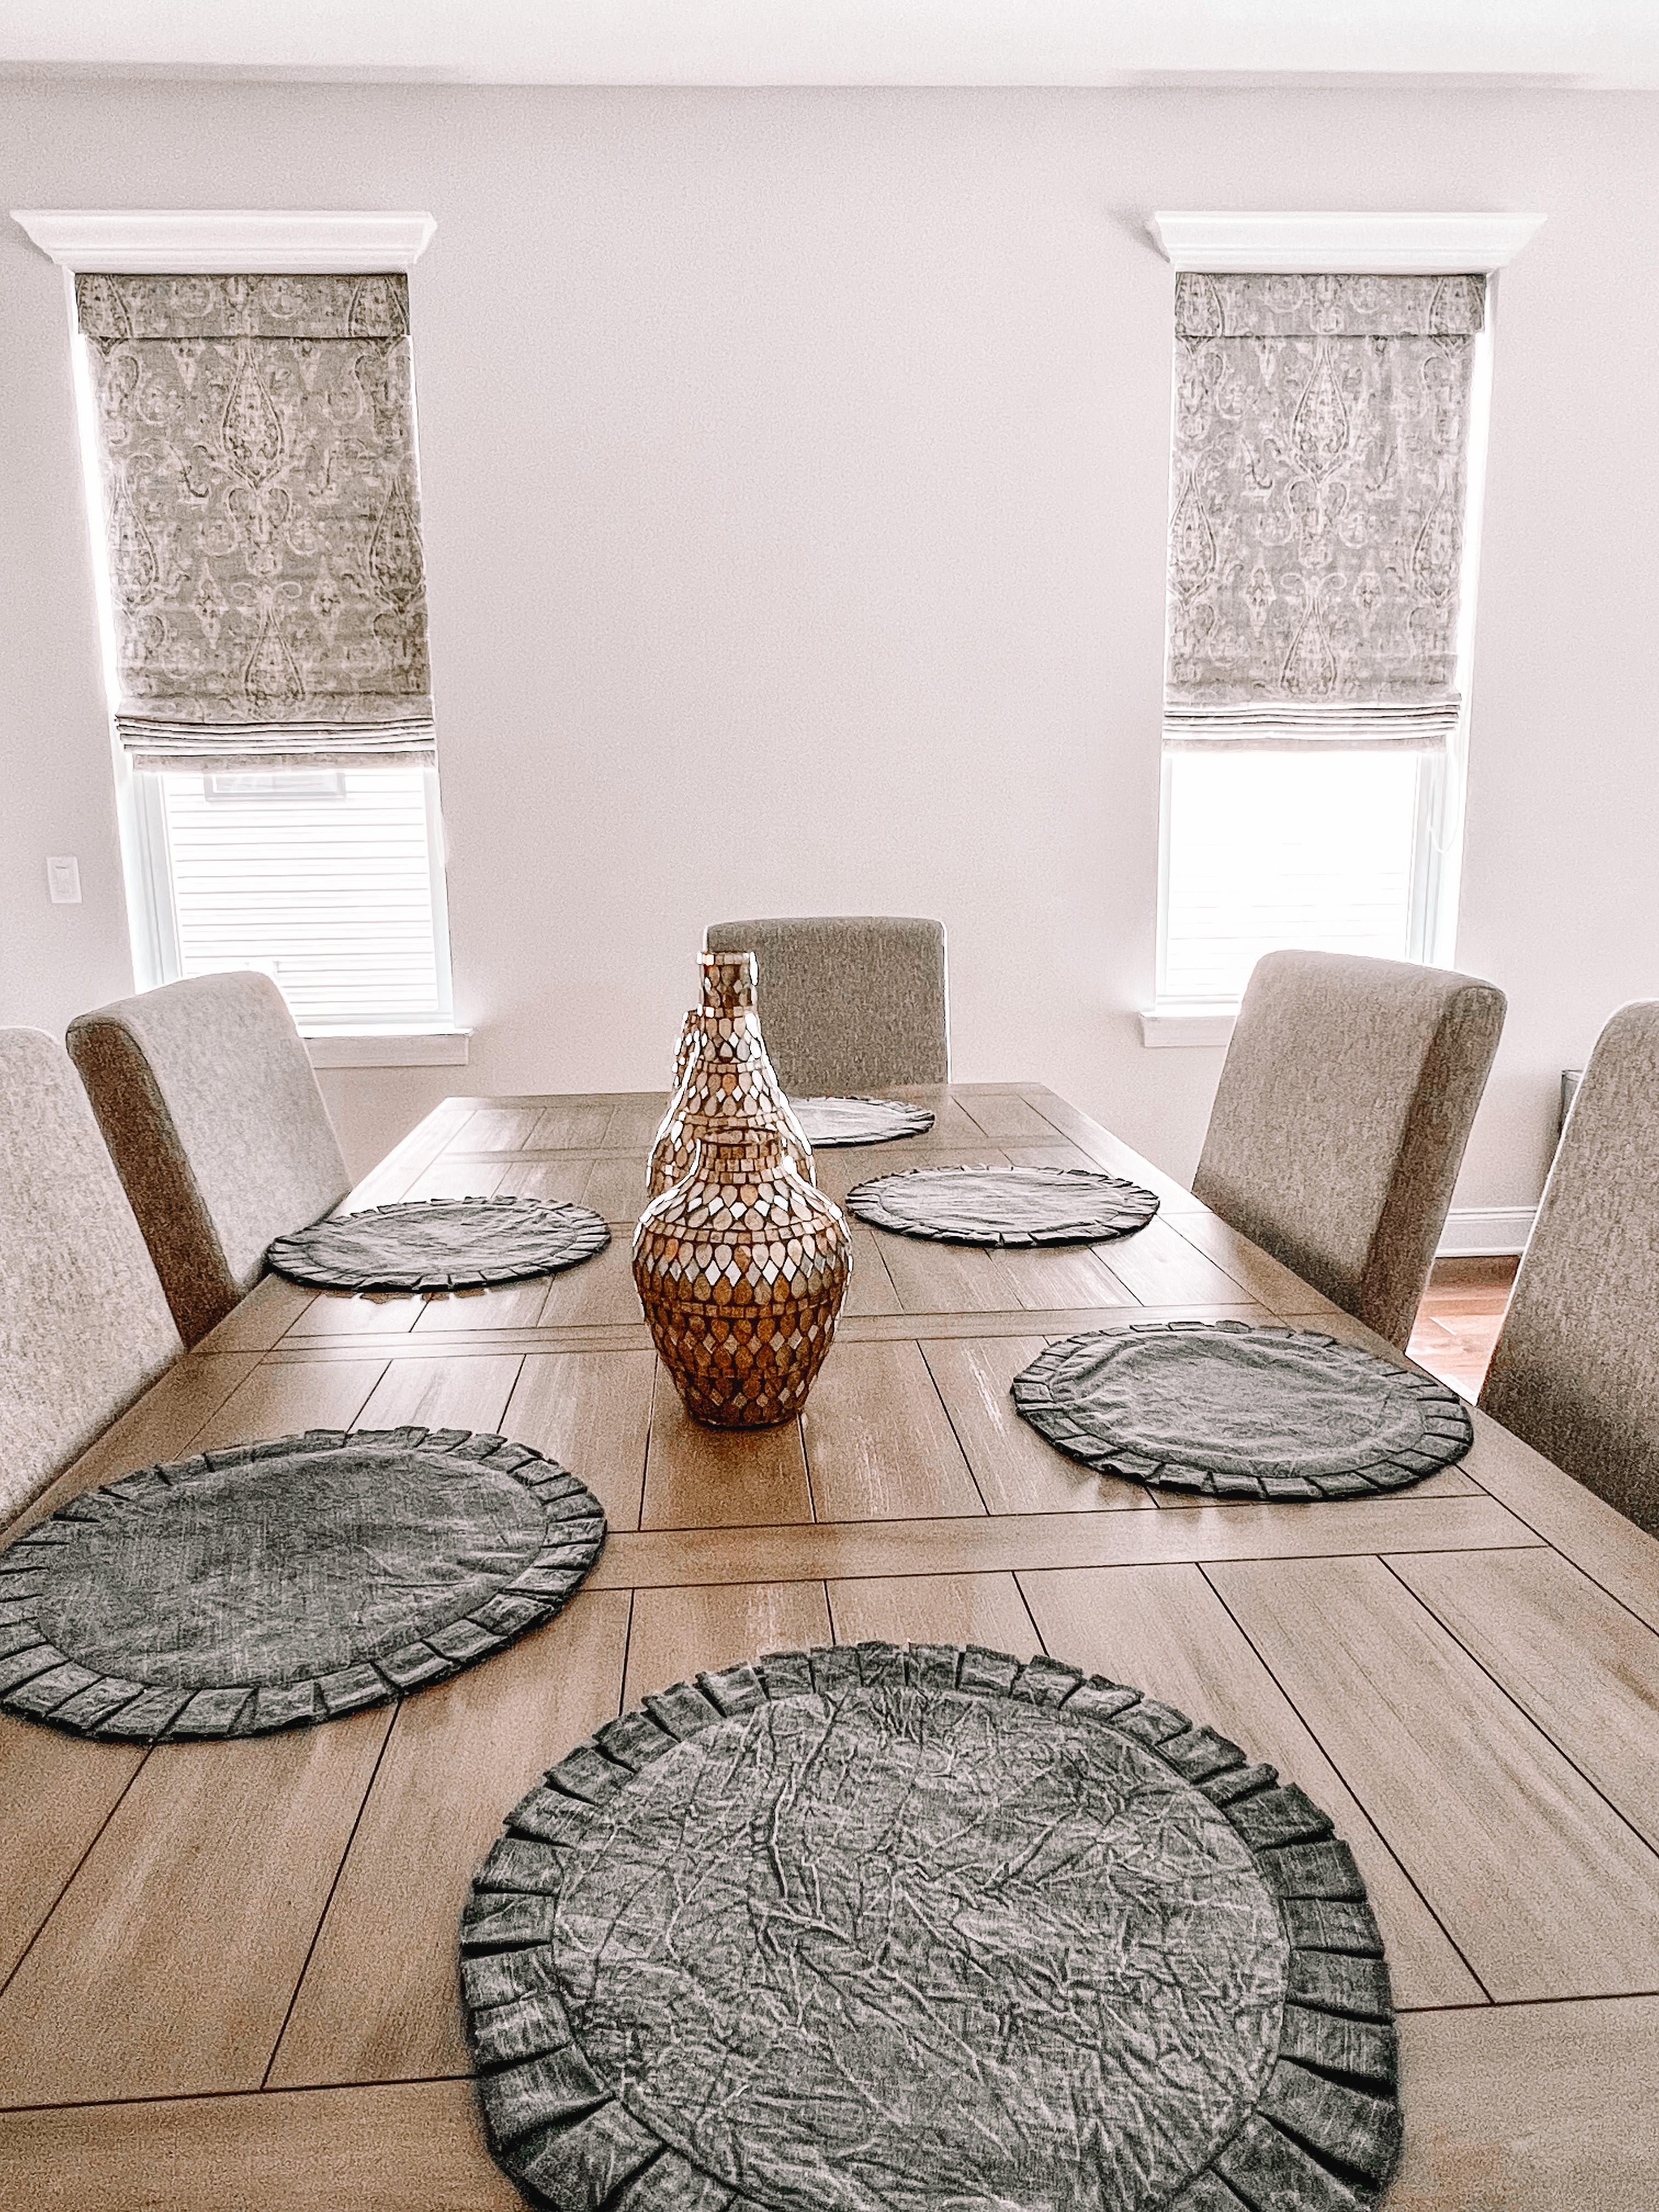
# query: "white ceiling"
{"type": "Point", "coordinates": [1592, 43]}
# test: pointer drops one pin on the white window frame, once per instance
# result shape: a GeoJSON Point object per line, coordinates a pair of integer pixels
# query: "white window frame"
{"type": "Point", "coordinates": [230, 242]}
{"type": "Point", "coordinates": [1396, 245]}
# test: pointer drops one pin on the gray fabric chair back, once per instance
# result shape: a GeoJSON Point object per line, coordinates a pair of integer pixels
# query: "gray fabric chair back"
{"type": "Point", "coordinates": [848, 1002]}
{"type": "Point", "coordinates": [1341, 1119]}
{"type": "Point", "coordinates": [204, 1093]}
{"type": "Point", "coordinates": [83, 1325]}
{"type": "Point", "coordinates": [1575, 1368]}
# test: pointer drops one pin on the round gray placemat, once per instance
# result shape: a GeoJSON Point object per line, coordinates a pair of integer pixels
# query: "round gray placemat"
{"type": "Point", "coordinates": [873, 1929]}
{"type": "Point", "coordinates": [1004, 1206]}
{"type": "Point", "coordinates": [439, 1244]}
{"type": "Point", "coordinates": [1242, 1411]}
{"type": "Point", "coordinates": [276, 1583]}
{"type": "Point", "coordinates": [826, 1122]}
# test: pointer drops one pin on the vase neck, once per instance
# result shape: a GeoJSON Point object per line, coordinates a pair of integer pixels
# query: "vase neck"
{"type": "Point", "coordinates": [728, 982]}
{"type": "Point", "coordinates": [722, 1150]}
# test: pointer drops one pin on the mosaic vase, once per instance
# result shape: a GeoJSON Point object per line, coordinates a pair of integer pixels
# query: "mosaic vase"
{"type": "Point", "coordinates": [689, 1031]}
{"type": "Point", "coordinates": [721, 1073]}
{"type": "Point", "coordinates": [741, 1267]}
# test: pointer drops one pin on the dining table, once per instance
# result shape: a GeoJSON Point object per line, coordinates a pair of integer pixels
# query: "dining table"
{"type": "Point", "coordinates": [228, 1969]}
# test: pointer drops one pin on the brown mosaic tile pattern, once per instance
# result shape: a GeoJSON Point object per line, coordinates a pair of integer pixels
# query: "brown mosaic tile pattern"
{"type": "Point", "coordinates": [722, 1074]}
{"type": "Point", "coordinates": [741, 1267]}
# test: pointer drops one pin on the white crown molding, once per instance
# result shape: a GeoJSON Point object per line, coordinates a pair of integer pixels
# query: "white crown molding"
{"type": "Point", "coordinates": [1356, 244]}
{"type": "Point", "coordinates": [239, 241]}
{"type": "Point", "coordinates": [1554, 44]}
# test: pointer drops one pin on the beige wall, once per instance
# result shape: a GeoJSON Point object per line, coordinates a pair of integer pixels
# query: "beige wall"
{"type": "Point", "coordinates": [795, 486]}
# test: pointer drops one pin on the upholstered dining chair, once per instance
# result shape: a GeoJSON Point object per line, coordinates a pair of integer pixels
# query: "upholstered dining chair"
{"type": "Point", "coordinates": [848, 1002]}
{"type": "Point", "coordinates": [204, 1093]}
{"type": "Point", "coordinates": [1575, 1368]}
{"type": "Point", "coordinates": [83, 1324]}
{"type": "Point", "coordinates": [1344, 1106]}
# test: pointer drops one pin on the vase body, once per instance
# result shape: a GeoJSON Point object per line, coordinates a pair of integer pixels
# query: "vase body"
{"type": "Point", "coordinates": [741, 1267]}
{"type": "Point", "coordinates": [722, 1075]}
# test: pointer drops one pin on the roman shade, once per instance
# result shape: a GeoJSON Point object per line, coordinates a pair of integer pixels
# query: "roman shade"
{"type": "Point", "coordinates": [256, 441]}
{"type": "Point", "coordinates": [1317, 505]}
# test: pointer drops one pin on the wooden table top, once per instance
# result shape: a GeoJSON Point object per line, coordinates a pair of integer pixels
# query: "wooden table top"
{"type": "Point", "coordinates": [232, 1965]}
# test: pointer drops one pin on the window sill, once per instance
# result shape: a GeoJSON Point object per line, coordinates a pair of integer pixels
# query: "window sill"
{"type": "Point", "coordinates": [389, 1047]}
{"type": "Point", "coordinates": [1187, 1028]}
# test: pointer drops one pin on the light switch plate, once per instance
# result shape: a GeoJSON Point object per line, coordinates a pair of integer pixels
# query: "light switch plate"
{"type": "Point", "coordinates": [64, 878]}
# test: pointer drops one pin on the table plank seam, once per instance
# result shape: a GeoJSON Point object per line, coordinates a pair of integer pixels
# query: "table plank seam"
{"type": "Point", "coordinates": [316, 1933]}
{"type": "Point", "coordinates": [230, 2096]}
{"type": "Point", "coordinates": [1559, 1546]}
{"type": "Point", "coordinates": [1491, 2010]}
{"type": "Point", "coordinates": [645, 1482]}
{"type": "Point", "coordinates": [1405, 1871]}
{"type": "Point", "coordinates": [909, 1571]}
{"type": "Point", "coordinates": [950, 1421]}
{"type": "Point", "coordinates": [1532, 1720]}
{"type": "Point", "coordinates": [40, 1928]}
{"type": "Point", "coordinates": [806, 1468]}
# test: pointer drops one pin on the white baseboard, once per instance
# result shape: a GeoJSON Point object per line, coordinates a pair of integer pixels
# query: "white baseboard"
{"type": "Point", "coordinates": [1486, 1232]}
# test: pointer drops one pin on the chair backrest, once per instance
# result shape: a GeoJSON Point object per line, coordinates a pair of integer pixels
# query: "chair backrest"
{"type": "Point", "coordinates": [848, 1002]}
{"type": "Point", "coordinates": [83, 1325]}
{"type": "Point", "coordinates": [204, 1093]}
{"type": "Point", "coordinates": [1575, 1368]}
{"type": "Point", "coordinates": [1341, 1115]}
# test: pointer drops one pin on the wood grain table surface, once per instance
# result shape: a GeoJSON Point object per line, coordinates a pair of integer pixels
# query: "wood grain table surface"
{"type": "Point", "coordinates": [229, 1968]}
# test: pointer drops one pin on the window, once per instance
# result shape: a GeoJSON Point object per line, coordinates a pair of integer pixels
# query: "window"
{"type": "Point", "coordinates": [1267, 849]}
{"type": "Point", "coordinates": [252, 457]}
{"type": "Point", "coordinates": [1327, 443]}
{"type": "Point", "coordinates": [331, 883]}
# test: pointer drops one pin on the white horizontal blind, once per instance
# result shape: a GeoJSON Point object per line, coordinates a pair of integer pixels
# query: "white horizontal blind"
{"type": "Point", "coordinates": [322, 881]}
{"type": "Point", "coordinates": [1266, 850]}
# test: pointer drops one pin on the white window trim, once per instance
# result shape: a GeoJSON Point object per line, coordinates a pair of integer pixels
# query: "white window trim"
{"type": "Point", "coordinates": [1313, 244]}
{"type": "Point", "coordinates": [1310, 244]}
{"type": "Point", "coordinates": [1188, 1028]}
{"type": "Point", "coordinates": [400, 1048]}
{"type": "Point", "coordinates": [248, 242]}
{"type": "Point", "coordinates": [227, 241]}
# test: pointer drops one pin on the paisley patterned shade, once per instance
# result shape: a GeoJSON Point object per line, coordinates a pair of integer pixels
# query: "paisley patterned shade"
{"type": "Point", "coordinates": [1319, 488]}
{"type": "Point", "coordinates": [255, 439]}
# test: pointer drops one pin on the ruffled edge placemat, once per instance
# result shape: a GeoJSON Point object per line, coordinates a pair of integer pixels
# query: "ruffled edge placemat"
{"type": "Point", "coordinates": [1119, 1207]}
{"type": "Point", "coordinates": [1038, 1394]}
{"type": "Point", "coordinates": [1326, 2130]}
{"type": "Point", "coordinates": [827, 1123]}
{"type": "Point", "coordinates": [557, 1235]}
{"type": "Point", "coordinates": [44, 1684]}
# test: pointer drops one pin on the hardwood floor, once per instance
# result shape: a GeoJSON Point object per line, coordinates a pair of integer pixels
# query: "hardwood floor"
{"type": "Point", "coordinates": [1459, 1319]}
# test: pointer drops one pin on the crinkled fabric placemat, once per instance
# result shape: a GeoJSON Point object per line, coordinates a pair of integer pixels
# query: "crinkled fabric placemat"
{"type": "Point", "coordinates": [1240, 1411]}
{"type": "Point", "coordinates": [829, 1121]}
{"type": "Point", "coordinates": [1004, 1206]}
{"type": "Point", "coordinates": [881, 1930]}
{"type": "Point", "coordinates": [439, 1244]}
{"type": "Point", "coordinates": [283, 1583]}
